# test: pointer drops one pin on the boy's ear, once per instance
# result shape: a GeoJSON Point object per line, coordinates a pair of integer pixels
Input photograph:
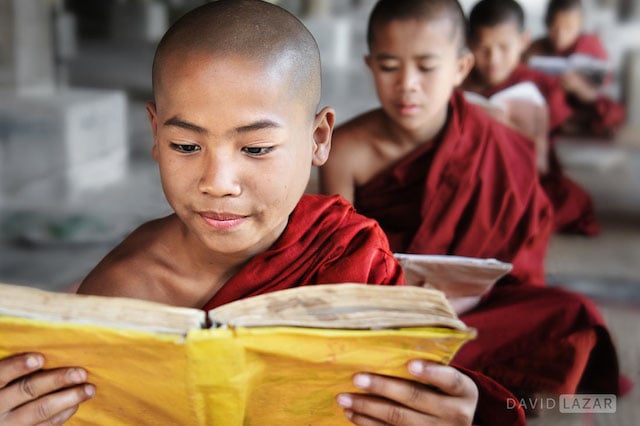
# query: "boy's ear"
{"type": "Point", "coordinates": [153, 120]}
{"type": "Point", "coordinates": [525, 40]}
{"type": "Point", "coordinates": [466, 61]}
{"type": "Point", "coordinates": [322, 131]}
{"type": "Point", "coordinates": [367, 60]}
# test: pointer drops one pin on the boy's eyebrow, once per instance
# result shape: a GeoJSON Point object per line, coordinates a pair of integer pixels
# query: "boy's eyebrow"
{"type": "Point", "coordinates": [177, 122]}
{"type": "Point", "coordinates": [258, 125]}
{"type": "Point", "coordinates": [386, 56]}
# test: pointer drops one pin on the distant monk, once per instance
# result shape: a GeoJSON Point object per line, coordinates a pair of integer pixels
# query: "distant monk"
{"type": "Point", "coordinates": [442, 177]}
{"type": "Point", "coordinates": [497, 39]}
{"type": "Point", "coordinates": [595, 114]}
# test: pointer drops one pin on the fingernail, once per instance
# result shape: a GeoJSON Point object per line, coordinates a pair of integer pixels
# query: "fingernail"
{"type": "Point", "coordinates": [362, 381]}
{"type": "Point", "coordinates": [77, 375]}
{"type": "Point", "coordinates": [344, 401]}
{"type": "Point", "coordinates": [348, 414]}
{"type": "Point", "coordinates": [34, 361]}
{"type": "Point", "coordinates": [89, 390]}
{"type": "Point", "coordinates": [416, 367]}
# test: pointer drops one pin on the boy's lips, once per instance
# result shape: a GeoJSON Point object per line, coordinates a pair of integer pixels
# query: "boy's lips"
{"type": "Point", "coordinates": [408, 108]}
{"type": "Point", "coordinates": [223, 220]}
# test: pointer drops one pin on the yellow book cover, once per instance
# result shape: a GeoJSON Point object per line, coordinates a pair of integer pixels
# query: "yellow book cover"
{"type": "Point", "coordinates": [276, 359]}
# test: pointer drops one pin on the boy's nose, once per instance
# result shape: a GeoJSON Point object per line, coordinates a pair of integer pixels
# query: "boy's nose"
{"type": "Point", "coordinates": [220, 176]}
{"type": "Point", "coordinates": [409, 79]}
{"type": "Point", "coordinates": [493, 55]}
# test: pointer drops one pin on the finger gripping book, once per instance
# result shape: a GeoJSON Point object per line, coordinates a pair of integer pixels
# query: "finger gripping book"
{"type": "Point", "coordinates": [275, 359]}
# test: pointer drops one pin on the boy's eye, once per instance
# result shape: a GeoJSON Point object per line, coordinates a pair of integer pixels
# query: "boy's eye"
{"type": "Point", "coordinates": [426, 69]}
{"type": "Point", "coordinates": [186, 148]}
{"type": "Point", "coordinates": [257, 151]}
{"type": "Point", "coordinates": [388, 65]}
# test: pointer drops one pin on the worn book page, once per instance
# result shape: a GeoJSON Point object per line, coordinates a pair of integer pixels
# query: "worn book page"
{"type": "Point", "coordinates": [456, 276]}
{"type": "Point", "coordinates": [593, 68]}
{"type": "Point", "coordinates": [346, 306]}
{"type": "Point", "coordinates": [524, 92]}
{"type": "Point", "coordinates": [133, 314]}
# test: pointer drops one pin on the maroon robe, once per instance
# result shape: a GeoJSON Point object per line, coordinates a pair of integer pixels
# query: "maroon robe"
{"type": "Point", "coordinates": [603, 117]}
{"type": "Point", "coordinates": [327, 242]}
{"type": "Point", "coordinates": [474, 192]}
{"type": "Point", "coordinates": [586, 44]}
{"type": "Point", "coordinates": [572, 206]}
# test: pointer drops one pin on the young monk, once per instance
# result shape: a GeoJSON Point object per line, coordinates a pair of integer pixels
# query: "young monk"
{"type": "Point", "coordinates": [497, 39]}
{"type": "Point", "coordinates": [236, 130]}
{"type": "Point", "coordinates": [442, 177]}
{"type": "Point", "coordinates": [594, 112]}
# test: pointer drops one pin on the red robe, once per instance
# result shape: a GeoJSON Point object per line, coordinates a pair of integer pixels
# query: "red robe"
{"type": "Point", "coordinates": [327, 242]}
{"type": "Point", "coordinates": [605, 116]}
{"type": "Point", "coordinates": [474, 192]}
{"type": "Point", "coordinates": [586, 44]}
{"type": "Point", "coordinates": [572, 206]}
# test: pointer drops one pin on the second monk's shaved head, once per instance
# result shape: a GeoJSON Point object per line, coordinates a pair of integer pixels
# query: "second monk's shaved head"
{"type": "Point", "coordinates": [252, 29]}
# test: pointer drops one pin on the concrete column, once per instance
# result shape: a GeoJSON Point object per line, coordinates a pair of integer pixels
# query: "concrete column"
{"type": "Point", "coordinates": [629, 10]}
{"type": "Point", "coordinates": [26, 50]}
{"type": "Point", "coordinates": [632, 87]}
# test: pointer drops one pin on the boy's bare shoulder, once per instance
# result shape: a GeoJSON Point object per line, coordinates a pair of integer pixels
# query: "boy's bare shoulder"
{"type": "Point", "coordinates": [359, 136]}
{"type": "Point", "coordinates": [137, 266]}
{"type": "Point", "coordinates": [358, 130]}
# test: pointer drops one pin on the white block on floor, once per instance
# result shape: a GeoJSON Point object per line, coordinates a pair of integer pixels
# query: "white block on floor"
{"type": "Point", "coordinates": [593, 157]}
{"type": "Point", "coordinates": [62, 142]}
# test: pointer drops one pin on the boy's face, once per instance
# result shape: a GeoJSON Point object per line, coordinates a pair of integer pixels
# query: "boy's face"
{"type": "Point", "coordinates": [497, 51]}
{"type": "Point", "coordinates": [235, 148]}
{"type": "Point", "coordinates": [564, 29]}
{"type": "Point", "coordinates": [416, 65]}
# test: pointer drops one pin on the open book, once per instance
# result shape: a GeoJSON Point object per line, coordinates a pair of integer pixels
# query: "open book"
{"type": "Point", "coordinates": [464, 280]}
{"type": "Point", "coordinates": [594, 69]}
{"type": "Point", "coordinates": [278, 358]}
{"type": "Point", "coordinates": [525, 91]}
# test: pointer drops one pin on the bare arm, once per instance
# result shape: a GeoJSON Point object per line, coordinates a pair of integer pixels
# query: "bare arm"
{"type": "Point", "coordinates": [578, 85]}
{"type": "Point", "coordinates": [532, 121]}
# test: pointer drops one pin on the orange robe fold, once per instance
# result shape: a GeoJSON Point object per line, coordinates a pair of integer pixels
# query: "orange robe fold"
{"type": "Point", "coordinates": [474, 192]}
{"type": "Point", "coordinates": [572, 206]}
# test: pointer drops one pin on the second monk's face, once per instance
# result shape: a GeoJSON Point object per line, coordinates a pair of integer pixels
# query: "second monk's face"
{"type": "Point", "coordinates": [416, 66]}
{"type": "Point", "coordinates": [564, 29]}
{"type": "Point", "coordinates": [497, 51]}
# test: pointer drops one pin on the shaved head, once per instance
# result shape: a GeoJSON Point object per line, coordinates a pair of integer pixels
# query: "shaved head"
{"type": "Point", "coordinates": [251, 29]}
{"type": "Point", "coordinates": [557, 6]}
{"type": "Point", "coordinates": [386, 11]}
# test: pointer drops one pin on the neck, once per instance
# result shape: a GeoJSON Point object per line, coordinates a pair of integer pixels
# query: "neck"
{"type": "Point", "coordinates": [216, 268]}
{"type": "Point", "coordinates": [406, 137]}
